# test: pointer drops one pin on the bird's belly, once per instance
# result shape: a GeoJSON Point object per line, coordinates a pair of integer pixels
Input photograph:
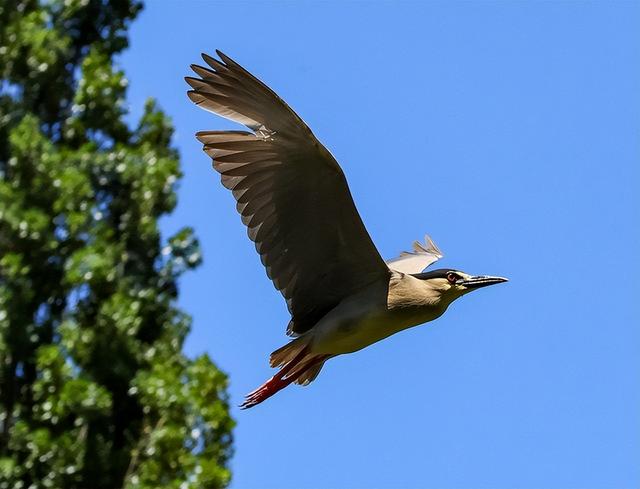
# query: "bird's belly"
{"type": "Point", "coordinates": [350, 329]}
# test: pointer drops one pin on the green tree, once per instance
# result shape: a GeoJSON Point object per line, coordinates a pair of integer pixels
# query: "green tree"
{"type": "Point", "coordinates": [94, 389]}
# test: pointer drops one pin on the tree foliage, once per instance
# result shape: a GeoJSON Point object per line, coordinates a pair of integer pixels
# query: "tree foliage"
{"type": "Point", "coordinates": [94, 389]}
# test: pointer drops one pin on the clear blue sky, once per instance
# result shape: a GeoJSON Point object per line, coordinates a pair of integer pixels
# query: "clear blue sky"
{"type": "Point", "coordinates": [534, 106]}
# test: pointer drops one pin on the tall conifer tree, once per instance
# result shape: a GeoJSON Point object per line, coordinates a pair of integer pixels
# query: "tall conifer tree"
{"type": "Point", "coordinates": [94, 389]}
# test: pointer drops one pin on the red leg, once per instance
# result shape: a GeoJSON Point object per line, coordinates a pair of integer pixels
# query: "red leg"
{"type": "Point", "coordinates": [279, 381]}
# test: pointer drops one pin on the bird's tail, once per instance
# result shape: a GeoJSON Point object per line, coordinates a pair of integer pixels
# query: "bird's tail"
{"type": "Point", "coordinates": [285, 354]}
{"type": "Point", "coordinates": [297, 366]}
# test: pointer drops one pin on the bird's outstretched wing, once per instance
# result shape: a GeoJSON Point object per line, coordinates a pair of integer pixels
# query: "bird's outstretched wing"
{"type": "Point", "coordinates": [417, 260]}
{"type": "Point", "coordinates": [290, 191]}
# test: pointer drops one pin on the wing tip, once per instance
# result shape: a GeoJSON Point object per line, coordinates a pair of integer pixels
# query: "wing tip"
{"type": "Point", "coordinates": [195, 97]}
{"type": "Point", "coordinates": [211, 61]}
{"type": "Point", "coordinates": [428, 246]}
{"type": "Point", "coordinates": [191, 81]}
{"type": "Point", "coordinates": [432, 246]}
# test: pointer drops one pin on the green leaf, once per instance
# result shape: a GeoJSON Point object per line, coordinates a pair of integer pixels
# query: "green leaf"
{"type": "Point", "coordinates": [96, 389]}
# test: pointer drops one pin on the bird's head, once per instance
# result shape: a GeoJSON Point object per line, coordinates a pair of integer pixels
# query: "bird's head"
{"type": "Point", "coordinates": [451, 284]}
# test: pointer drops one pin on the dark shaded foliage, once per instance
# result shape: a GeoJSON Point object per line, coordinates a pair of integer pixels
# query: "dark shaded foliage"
{"type": "Point", "coordinates": [94, 389]}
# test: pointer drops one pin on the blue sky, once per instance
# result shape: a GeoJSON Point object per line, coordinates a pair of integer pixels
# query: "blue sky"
{"type": "Point", "coordinates": [509, 132]}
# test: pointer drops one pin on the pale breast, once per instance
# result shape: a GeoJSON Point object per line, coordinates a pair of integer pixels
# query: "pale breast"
{"type": "Point", "coordinates": [377, 312]}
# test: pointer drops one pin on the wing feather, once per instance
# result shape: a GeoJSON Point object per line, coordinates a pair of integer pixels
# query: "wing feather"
{"type": "Point", "coordinates": [417, 260]}
{"type": "Point", "coordinates": [290, 192]}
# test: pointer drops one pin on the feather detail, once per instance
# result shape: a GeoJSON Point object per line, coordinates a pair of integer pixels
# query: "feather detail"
{"type": "Point", "coordinates": [422, 256]}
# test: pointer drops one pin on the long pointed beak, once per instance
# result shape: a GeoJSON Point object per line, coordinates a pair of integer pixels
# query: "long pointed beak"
{"type": "Point", "coordinates": [482, 281]}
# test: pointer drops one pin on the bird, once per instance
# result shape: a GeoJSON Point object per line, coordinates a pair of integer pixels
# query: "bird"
{"type": "Point", "coordinates": [294, 200]}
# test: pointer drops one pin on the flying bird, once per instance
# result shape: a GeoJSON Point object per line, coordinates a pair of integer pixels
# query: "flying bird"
{"type": "Point", "coordinates": [294, 200]}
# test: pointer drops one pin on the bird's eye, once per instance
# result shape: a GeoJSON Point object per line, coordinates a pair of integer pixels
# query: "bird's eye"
{"type": "Point", "coordinates": [452, 277]}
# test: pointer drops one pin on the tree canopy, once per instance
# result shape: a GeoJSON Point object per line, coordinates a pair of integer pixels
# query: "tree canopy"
{"type": "Point", "coordinates": [94, 388]}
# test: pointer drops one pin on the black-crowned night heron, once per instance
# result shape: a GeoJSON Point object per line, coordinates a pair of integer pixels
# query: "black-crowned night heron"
{"type": "Point", "coordinates": [294, 199]}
